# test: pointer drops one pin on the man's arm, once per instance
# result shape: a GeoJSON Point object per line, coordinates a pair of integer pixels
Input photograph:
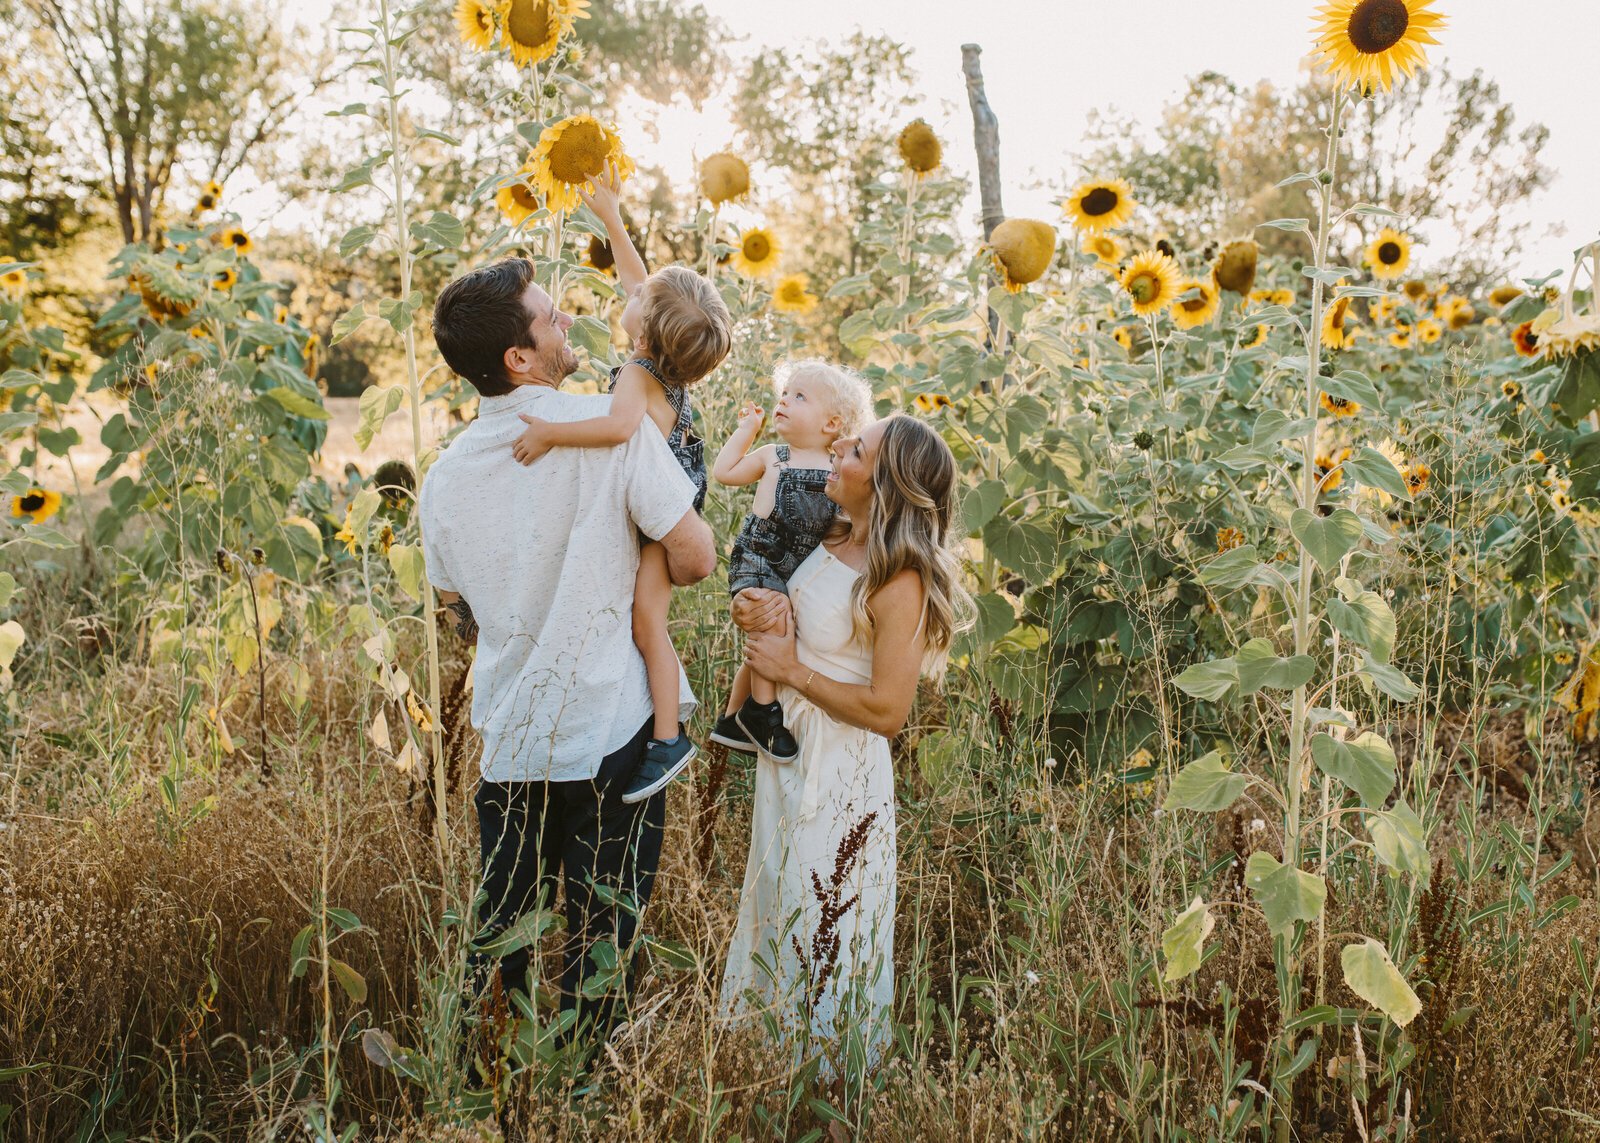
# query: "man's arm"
{"type": "Point", "coordinates": [461, 620]}
{"type": "Point", "coordinates": [691, 550]}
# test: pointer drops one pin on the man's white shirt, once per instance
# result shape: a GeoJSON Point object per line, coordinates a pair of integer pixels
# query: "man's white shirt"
{"type": "Point", "coordinates": [546, 556]}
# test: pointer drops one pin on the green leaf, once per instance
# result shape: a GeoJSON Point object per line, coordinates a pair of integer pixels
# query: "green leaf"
{"type": "Point", "coordinates": [593, 335]}
{"type": "Point", "coordinates": [995, 617]}
{"type": "Point", "coordinates": [1205, 785]}
{"type": "Point", "coordinates": [12, 636]}
{"type": "Point", "coordinates": [348, 324]}
{"type": "Point", "coordinates": [441, 229]}
{"type": "Point", "coordinates": [377, 404]}
{"type": "Point", "coordinates": [1286, 224]}
{"type": "Point", "coordinates": [1372, 976]}
{"type": "Point", "coordinates": [1238, 568]}
{"type": "Point", "coordinates": [10, 422]}
{"type": "Point", "coordinates": [293, 402]}
{"type": "Point", "coordinates": [1273, 426]}
{"type": "Point", "coordinates": [1208, 681]}
{"type": "Point", "coordinates": [1327, 539]}
{"type": "Point", "coordinates": [346, 921]}
{"type": "Point", "coordinates": [1257, 667]}
{"type": "Point", "coordinates": [1400, 839]}
{"type": "Point", "coordinates": [1364, 617]}
{"type": "Point", "coordinates": [1390, 680]}
{"type": "Point", "coordinates": [980, 503]}
{"type": "Point", "coordinates": [356, 238]}
{"type": "Point", "coordinates": [1182, 941]}
{"type": "Point", "coordinates": [1285, 894]}
{"type": "Point", "coordinates": [409, 568]}
{"type": "Point", "coordinates": [8, 588]}
{"type": "Point", "coordinates": [360, 515]}
{"type": "Point", "coordinates": [529, 929]}
{"type": "Point", "coordinates": [353, 983]}
{"type": "Point", "coordinates": [1366, 765]}
{"type": "Point", "coordinates": [300, 952]}
{"type": "Point", "coordinates": [1372, 468]}
{"type": "Point", "coordinates": [399, 313]}
{"type": "Point", "coordinates": [58, 442]}
{"type": "Point", "coordinates": [1352, 386]}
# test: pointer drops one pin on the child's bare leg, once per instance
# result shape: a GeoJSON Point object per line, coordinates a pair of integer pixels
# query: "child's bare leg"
{"type": "Point", "coordinates": [741, 689]}
{"type": "Point", "coordinates": [652, 594]}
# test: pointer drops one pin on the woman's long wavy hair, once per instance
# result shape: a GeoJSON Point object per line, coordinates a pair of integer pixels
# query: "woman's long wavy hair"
{"type": "Point", "coordinates": [913, 494]}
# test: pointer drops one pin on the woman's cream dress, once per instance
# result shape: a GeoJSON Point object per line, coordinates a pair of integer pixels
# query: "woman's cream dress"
{"type": "Point", "coordinates": [821, 845]}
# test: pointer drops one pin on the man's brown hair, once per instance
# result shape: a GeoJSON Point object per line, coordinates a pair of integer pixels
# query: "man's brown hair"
{"type": "Point", "coordinates": [481, 315]}
{"type": "Point", "coordinates": [685, 323]}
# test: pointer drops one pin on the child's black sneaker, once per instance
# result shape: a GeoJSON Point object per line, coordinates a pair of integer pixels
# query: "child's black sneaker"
{"type": "Point", "coordinates": [663, 761]}
{"type": "Point", "coordinates": [729, 733]}
{"type": "Point", "coordinates": [764, 724]}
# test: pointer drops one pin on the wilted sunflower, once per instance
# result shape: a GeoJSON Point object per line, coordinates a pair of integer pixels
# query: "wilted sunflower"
{"type": "Point", "coordinates": [1389, 253]}
{"type": "Point", "coordinates": [1101, 204]}
{"type": "Point", "coordinates": [1362, 42]}
{"type": "Point", "coordinates": [344, 535]}
{"type": "Point", "coordinates": [572, 154]}
{"type": "Point", "coordinates": [790, 295]}
{"type": "Point", "coordinates": [531, 29]}
{"type": "Point", "coordinates": [1340, 406]}
{"type": "Point", "coordinates": [1023, 249]}
{"type": "Point", "coordinates": [1500, 295]}
{"type": "Point", "coordinates": [236, 240]}
{"type": "Point", "coordinates": [724, 177]}
{"type": "Point", "coordinates": [600, 256]}
{"type": "Point", "coordinates": [931, 402]}
{"type": "Point", "coordinates": [1228, 539]}
{"type": "Point", "coordinates": [418, 710]}
{"type": "Point", "coordinates": [1429, 331]}
{"type": "Point", "coordinates": [1123, 336]}
{"type": "Point", "coordinates": [1526, 341]}
{"type": "Point", "coordinates": [14, 282]}
{"type": "Point", "coordinates": [1152, 281]}
{"type": "Point", "coordinates": [37, 504]}
{"type": "Point", "coordinates": [1568, 335]}
{"type": "Point", "coordinates": [394, 481]}
{"type": "Point", "coordinates": [1105, 247]}
{"type": "Point", "coordinates": [517, 200]}
{"type": "Point", "coordinates": [920, 148]}
{"type": "Point", "coordinates": [758, 253]}
{"type": "Point", "coordinates": [475, 23]}
{"type": "Point", "coordinates": [1236, 266]}
{"type": "Point", "coordinates": [150, 373]}
{"type": "Point", "coordinates": [1190, 312]}
{"type": "Point", "coordinates": [1337, 324]}
{"type": "Point", "coordinates": [1260, 336]}
{"type": "Point", "coordinates": [1416, 289]}
{"type": "Point", "coordinates": [224, 279]}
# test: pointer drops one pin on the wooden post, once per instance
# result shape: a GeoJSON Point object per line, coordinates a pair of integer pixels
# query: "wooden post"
{"type": "Point", "coordinates": [986, 141]}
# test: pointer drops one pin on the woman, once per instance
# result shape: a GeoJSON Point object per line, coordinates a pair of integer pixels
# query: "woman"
{"type": "Point", "coordinates": [874, 605]}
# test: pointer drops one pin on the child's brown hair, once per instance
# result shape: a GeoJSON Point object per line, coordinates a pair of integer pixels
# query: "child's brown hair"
{"type": "Point", "coordinates": [685, 323]}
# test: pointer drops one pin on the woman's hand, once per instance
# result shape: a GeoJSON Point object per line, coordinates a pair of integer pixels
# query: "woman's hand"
{"type": "Point", "coordinates": [771, 654]}
{"type": "Point", "coordinates": [761, 609]}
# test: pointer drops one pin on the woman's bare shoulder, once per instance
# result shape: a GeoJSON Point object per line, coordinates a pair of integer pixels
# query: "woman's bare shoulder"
{"type": "Point", "coordinates": [902, 593]}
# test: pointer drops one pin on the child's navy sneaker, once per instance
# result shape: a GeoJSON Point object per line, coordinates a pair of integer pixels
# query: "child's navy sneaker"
{"type": "Point", "coordinates": [764, 724]}
{"type": "Point", "coordinates": [663, 761]}
{"type": "Point", "coordinates": [729, 733]}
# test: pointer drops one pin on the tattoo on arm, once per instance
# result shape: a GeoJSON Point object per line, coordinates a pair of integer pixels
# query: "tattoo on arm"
{"type": "Point", "coordinates": [463, 623]}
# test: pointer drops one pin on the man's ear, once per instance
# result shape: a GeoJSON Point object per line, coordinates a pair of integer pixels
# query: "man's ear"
{"type": "Point", "coordinates": [517, 359]}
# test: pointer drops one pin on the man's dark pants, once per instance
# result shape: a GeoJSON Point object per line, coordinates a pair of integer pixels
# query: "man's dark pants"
{"type": "Point", "coordinates": [582, 834]}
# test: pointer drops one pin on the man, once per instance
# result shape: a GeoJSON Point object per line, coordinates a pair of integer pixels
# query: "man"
{"type": "Point", "coordinates": [537, 564]}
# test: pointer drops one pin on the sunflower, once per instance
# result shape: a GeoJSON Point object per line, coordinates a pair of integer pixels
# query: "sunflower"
{"type": "Point", "coordinates": [1559, 500]}
{"type": "Point", "coordinates": [1236, 266]}
{"type": "Point", "coordinates": [1329, 474]}
{"type": "Point", "coordinates": [571, 154]}
{"type": "Point", "coordinates": [15, 283]}
{"type": "Point", "coordinates": [206, 202]}
{"type": "Point", "coordinates": [1105, 247]}
{"type": "Point", "coordinates": [758, 253]}
{"type": "Point", "coordinates": [1526, 341]}
{"type": "Point", "coordinates": [1401, 337]}
{"type": "Point", "coordinates": [1383, 309]}
{"type": "Point", "coordinates": [1389, 253]}
{"type": "Point", "coordinates": [1510, 388]}
{"type": "Point", "coordinates": [1429, 331]}
{"type": "Point", "coordinates": [224, 279]}
{"type": "Point", "coordinates": [280, 315]}
{"type": "Point", "coordinates": [1337, 325]}
{"type": "Point", "coordinates": [344, 535]}
{"type": "Point", "coordinates": [931, 402]}
{"type": "Point", "coordinates": [724, 177]}
{"type": "Point", "coordinates": [517, 199]}
{"type": "Point", "coordinates": [151, 371]}
{"type": "Point", "coordinates": [475, 24]}
{"type": "Point", "coordinates": [1362, 42]}
{"type": "Point", "coordinates": [1283, 297]}
{"type": "Point", "coordinates": [1023, 249]}
{"type": "Point", "coordinates": [1228, 539]}
{"type": "Point", "coordinates": [1152, 281]}
{"type": "Point", "coordinates": [920, 148]}
{"type": "Point", "coordinates": [236, 240]}
{"type": "Point", "coordinates": [1416, 477]}
{"type": "Point", "coordinates": [1501, 295]}
{"type": "Point", "coordinates": [1259, 298]}
{"type": "Point", "coordinates": [1340, 406]}
{"type": "Point", "coordinates": [600, 256]}
{"type": "Point", "coordinates": [1101, 204]}
{"type": "Point", "coordinates": [1568, 335]}
{"type": "Point", "coordinates": [1201, 308]}
{"type": "Point", "coordinates": [1538, 456]}
{"type": "Point", "coordinates": [1260, 336]}
{"type": "Point", "coordinates": [531, 29]}
{"type": "Point", "coordinates": [37, 504]}
{"type": "Point", "coordinates": [1123, 336]}
{"type": "Point", "coordinates": [1415, 289]}
{"type": "Point", "coordinates": [790, 295]}
{"type": "Point", "coordinates": [1455, 312]}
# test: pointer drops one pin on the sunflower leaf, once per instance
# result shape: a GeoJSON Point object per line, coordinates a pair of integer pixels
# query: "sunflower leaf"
{"type": "Point", "coordinates": [1372, 976]}
{"type": "Point", "coordinates": [377, 403]}
{"type": "Point", "coordinates": [8, 588]}
{"type": "Point", "coordinates": [1372, 468]}
{"type": "Point", "coordinates": [1182, 941]}
{"type": "Point", "coordinates": [1366, 765]}
{"type": "Point", "coordinates": [356, 238]}
{"type": "Point", "coordinates": [348, 324]}
{"type": "Point", "coordinates": [1369, 208]}
{"type": "Point", "coordinates": [293, 402]}
{"type": "Point", "coordinates": [10, 421]}
{"type": "Point", "coordinates": [1285, 893]}
{"type": "Point", "coordinates": [1287, 224]}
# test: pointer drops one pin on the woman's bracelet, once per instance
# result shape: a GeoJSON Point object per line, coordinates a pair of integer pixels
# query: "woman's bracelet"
{"type": "Point", "coordinates": [805, 688]}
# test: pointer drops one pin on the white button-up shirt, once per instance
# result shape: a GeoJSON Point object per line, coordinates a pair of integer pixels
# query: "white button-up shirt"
{"type": "Point", "coordinates": [546, 557]}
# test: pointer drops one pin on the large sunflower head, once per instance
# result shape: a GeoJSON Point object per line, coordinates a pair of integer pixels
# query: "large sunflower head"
{"type": "Point", "coordinates": [1389, 253]}
{"type": "Point", "coordinates": [920, 148]}
{"type": "Point", "coordinates": [37, 504]}
{"type": "Point", "coordinates": [475, 23]}
{"type": "Point", "coordinates": [1337, 324]}
{"type": "Point", "coordinates": [1107, 248]}
{"type": "Point", "coordinates": [790, 296]}
{"type": "Point", "coordinates": [600, 256]}
{"type": "Point", "coordinates": [724, 177]}
{"type": "Point", "coordinates": [1188, 312]}
{"type": "Point", "coordinates": [758, 253]}
{"type": "Point", "coordinates": [1236, 266]}
{"type": "Point", "coordinates": [236, 240]}
{"type": "Point", "coordinates": [1100, 204]}
{"type": "Point", "coordinates": [1023, 249]}
{"type": "Point", "coordinates": [572, 154]}
{"type": "Point", "coordinates": [517, 200]}
{"type": "Point", "coordinates": [1362, 42]}
{"type": "Point", "coordinates": [532, 29]}
{"type": "Point", "coordinates": [1152, 281]}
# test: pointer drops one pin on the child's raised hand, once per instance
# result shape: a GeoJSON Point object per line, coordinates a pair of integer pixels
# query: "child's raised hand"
{"type": "Point", "coordinates": [607, 191]}
{"type": "Point", "coordinates": [751, 416]}
{"type": "Point", "coordinates": [532, 444]}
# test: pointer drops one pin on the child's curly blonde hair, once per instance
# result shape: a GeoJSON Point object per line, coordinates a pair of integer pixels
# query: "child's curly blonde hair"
{"type": "Point", "coordinates": [849, 396]}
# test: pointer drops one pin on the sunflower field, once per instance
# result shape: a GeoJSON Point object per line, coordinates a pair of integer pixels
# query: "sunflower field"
{"type": "Point", "coordinates": [1258, 802]}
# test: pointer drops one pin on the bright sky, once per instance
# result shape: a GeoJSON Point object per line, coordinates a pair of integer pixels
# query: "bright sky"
{"type": "Point", "coordinates": [1048, 63]}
